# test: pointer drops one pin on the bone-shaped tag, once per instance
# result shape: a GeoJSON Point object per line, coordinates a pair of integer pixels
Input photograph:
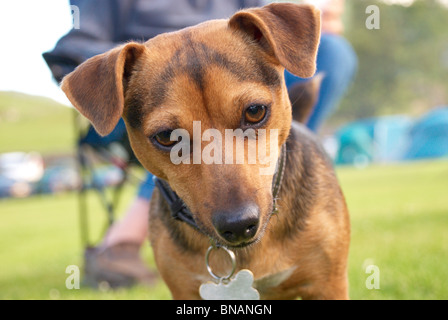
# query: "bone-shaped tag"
{"type": "Point", "coordinates": [237, 288]}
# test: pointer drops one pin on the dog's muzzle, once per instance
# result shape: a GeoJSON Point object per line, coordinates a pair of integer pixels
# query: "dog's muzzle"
{"type": "Point", "coordinates": [238, 227]}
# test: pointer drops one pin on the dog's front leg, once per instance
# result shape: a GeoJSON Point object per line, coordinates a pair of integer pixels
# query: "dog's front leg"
{"type": "Point", "coordinates": [334, 289]}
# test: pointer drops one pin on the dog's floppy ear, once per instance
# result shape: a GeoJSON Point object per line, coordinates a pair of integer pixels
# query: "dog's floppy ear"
{"type": "Point", "coordinates": [96, 87]}
{"type": "Point", "coordinates": [289, 32]}
{"type": "Point", "coordinates": [304, 96]}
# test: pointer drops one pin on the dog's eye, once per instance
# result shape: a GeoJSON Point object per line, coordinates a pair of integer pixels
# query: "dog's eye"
{"type": "Point", "coordinates": [164, 138]}
{"type": "Point", "coordinates": [255, 113]}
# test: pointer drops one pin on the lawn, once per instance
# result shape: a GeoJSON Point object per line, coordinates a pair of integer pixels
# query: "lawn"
{"type": "Point", "coordinates": [399, 217]}
{"type": "Point", "coordinates": [41, 238]}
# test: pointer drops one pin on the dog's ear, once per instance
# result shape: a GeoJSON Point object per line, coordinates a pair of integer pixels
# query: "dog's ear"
{"type": "Point", "coordinates": [96, 87]}
{"type": "Point", "coordinates": [304, 96]}
{"type": "Point", "coordinates": [289, 32]}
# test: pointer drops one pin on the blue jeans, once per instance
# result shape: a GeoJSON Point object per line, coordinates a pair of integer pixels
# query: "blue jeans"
{"type": "Point", "coordinates": [146, 187]}
{"type": "Point", "coordinates": [337, 60]}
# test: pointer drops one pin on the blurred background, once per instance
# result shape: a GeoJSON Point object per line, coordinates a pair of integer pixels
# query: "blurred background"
{"type": "Point", "coordinates": [388, 139]}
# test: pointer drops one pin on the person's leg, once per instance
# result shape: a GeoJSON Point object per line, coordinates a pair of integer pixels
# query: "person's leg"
{"type": "Point", "coordinates": [338, 62]}
{"type": "Point", "coordinates": [117, 260]}
{"type": "Point", "coordinates": [133, 227]}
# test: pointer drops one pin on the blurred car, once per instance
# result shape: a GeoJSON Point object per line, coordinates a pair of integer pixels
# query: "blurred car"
{"type": "Point", "coordinates": [59, 178]}
{"type": "Point", "coordinates": [19, 171]}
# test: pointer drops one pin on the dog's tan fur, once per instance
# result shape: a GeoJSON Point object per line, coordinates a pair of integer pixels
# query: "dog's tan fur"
{"type": "Point", "coordinates": [210, 73]}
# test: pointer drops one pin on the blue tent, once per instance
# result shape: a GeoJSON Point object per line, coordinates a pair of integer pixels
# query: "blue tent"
{"type": "Point", "coordinates": [379, 139]}
{"type": "Point", "coordinates": [429, 136]}
{"type": "Point", "coordinates": [355, 143]}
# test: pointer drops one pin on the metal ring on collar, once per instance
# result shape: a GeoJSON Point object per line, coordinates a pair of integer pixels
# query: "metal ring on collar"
{"type": "Point", "coordinates": [209, 269]}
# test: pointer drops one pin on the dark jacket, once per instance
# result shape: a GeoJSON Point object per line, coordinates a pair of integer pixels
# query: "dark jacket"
{"type": "Point", "coordinates": [104, 24]}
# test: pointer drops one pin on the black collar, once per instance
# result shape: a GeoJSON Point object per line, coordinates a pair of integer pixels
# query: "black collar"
{"type": "Point", "coordinates": [180, 211]}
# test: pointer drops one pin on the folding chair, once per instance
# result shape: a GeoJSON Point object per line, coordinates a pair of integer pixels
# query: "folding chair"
{"type": "Point", "coordinates": [94, 153]}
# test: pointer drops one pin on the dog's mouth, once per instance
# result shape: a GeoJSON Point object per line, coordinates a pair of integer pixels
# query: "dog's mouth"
{"type": "Point", "coordinates": [219, 240]}
{"type": "Point", "coordinates": [243, 245]}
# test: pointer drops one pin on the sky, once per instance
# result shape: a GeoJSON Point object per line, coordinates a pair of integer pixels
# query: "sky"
{"type": "Point", "coordinates": [27, 29]}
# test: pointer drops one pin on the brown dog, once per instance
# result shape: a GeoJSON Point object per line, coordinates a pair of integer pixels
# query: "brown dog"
{"type": "Point", "coordinates": [228, 74]}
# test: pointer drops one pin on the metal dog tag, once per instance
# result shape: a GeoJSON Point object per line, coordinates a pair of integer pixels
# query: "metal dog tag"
{"type": "Point", "coordinates": [238, 287]}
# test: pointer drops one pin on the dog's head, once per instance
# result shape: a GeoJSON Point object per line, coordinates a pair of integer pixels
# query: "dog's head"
{"type": "Point", "coordinates": [221, 75]}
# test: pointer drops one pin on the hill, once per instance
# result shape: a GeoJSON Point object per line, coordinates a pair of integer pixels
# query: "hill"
{"type": "Point", "coordinates": [32, 123]}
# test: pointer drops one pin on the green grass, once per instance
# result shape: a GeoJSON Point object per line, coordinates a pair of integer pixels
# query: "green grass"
{"type": "Point", "coordinates": [399, 216]}
{"type": "Point", "coordinates": [40, 237]}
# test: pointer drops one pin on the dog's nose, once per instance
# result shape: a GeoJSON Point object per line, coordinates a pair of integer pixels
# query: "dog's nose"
{"type": "Point", "coordinates": [237, 226]}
